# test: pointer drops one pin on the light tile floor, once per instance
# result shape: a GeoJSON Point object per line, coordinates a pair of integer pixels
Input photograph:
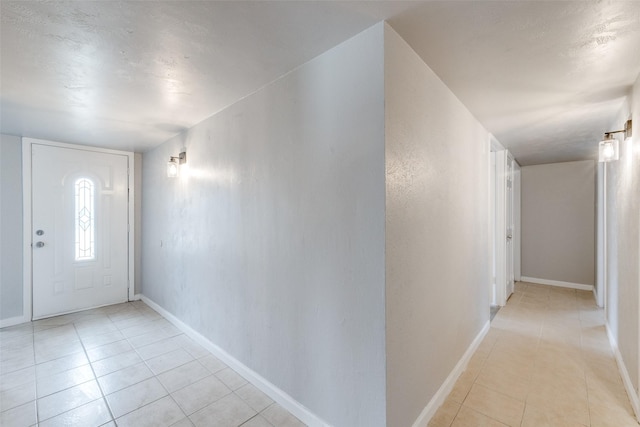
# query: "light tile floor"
{"type": "Point", "coordinates": [122, 365]}
{"type": "Point", "coordinates": [546, 361]}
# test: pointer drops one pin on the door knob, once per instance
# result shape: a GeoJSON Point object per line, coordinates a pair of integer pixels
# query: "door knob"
{"type": "Point", "coordinates": [39, 244]}
{"type": "Point", "coordinates": [39, 232]}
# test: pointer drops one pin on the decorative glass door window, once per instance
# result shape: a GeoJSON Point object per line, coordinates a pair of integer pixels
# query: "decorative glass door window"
{"type": "Point", "coordinates": [85, 221]}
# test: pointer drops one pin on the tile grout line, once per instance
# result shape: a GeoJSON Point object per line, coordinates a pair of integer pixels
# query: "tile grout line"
{"type": "Point", "coordinates": [154, 376]}
{"type": "Point", "coordinates": [104, 397]}
{"type": "Point", "coordinates": [231, 391]}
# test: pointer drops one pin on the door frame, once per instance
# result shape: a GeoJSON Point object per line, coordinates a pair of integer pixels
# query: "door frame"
{"type": "Point", "coordinates": [497, 214]}
{"type": "Point", "coordinates": [27, 274]}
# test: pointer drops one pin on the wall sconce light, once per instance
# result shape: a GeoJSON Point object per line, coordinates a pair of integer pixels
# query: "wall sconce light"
{"type": "Point", "coordinates": [174, 162]}
{"type": "Point", "coordinates": [608, 148]}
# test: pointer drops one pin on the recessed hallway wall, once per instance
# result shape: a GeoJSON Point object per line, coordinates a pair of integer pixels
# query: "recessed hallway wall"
{"type": "Point", "coordinates": [558, 222]}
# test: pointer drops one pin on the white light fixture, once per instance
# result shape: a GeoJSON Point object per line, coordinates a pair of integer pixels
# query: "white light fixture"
{"type": "Point", "coordinates": [174, 162]}
{"type": "Point", "coordinates": [608, 149]}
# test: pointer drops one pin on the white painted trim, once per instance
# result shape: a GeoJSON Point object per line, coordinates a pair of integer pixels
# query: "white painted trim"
{"type": "Point", "coordinates": [557, 283]}
{"type": "Point", "coordinates": [501, 227]}
{"type": "Point", "coordinates": [137, 297]}
{"type": "Point", "coordinates": [26, 229]}
{"type": "Point", "coordinates": [438, 399]}
{"type": "Point", "coordinates": [12, 321]}
{"type": "Point", "coordinates": [27, 217]}
{"type": "Point", "coordinates": [626, 379]}
{"type": "Point", "coordinates": [279, 396]}
{"type": "Point", "coordinates": [517, 222]}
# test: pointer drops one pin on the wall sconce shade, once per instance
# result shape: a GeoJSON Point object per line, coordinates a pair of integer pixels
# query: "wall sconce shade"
{"type": "Point", "coordinates": [608, 150]}
{"type": "Point", "coordinates": [174, 162]}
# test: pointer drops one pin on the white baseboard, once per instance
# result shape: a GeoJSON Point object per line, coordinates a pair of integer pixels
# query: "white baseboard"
{"type": "Point", "coordinates": [557, 283]}
{"type": "Point", "coordinates": [137, 297]}
{"type": "Point", "coordinates": [626, 379]}
{"type": "Point", "coordinates": [438, 399]}
{"type": "Point", "coordinates": [12, 321]}
{"type": "Point", "coordinates": [279, 396]}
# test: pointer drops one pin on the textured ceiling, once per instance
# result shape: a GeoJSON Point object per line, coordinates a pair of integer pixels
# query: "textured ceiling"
{"type": "Point", "coordinates": [547, 78]}
{"type": "Point", "coordinates": [131, 74]}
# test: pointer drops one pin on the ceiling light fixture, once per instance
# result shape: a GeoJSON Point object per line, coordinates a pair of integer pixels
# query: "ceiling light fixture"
{"type": "Point", "coordinates": [174, 162]}
{"type": "Point", "coordinates": [608, 149]}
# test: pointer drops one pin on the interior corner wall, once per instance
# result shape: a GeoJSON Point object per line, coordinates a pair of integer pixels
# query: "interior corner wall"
{"type": "Point", "coordinates": [271, 241]}
{"type": "Point", "coordinates": [623, 241]}
{"type": "Point", "coordinates": [558, 221]}
{"type": "Point", "coordinates": [437, 219]}
{"type": "Point", "coordinates": [11, 283]}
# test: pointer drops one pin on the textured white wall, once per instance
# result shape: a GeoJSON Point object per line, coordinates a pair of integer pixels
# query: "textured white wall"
{"type": "Point", "coordinates": [437, 263]}
{"type": "Point", "coordinates": [558, 221]}
{"type": "Point", "coordinates": [11, 226]}
{"type": "Point", "coordinates": [271, 244]}
{"type": "Point", "coordinates": [623, 241]}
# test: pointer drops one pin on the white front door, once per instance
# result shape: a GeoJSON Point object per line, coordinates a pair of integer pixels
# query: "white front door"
{"type": "Point", "coordinates": [79, 229]}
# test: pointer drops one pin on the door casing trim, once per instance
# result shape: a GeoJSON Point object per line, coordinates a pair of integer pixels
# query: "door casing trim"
{"type": "Point", "coordinates": [27, 273]}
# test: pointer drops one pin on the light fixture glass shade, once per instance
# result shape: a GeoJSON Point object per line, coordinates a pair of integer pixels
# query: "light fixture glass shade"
{"type": "Point", "coordinates": [172, 168]}
{"type": "Point", "coordinates": [608, 150]}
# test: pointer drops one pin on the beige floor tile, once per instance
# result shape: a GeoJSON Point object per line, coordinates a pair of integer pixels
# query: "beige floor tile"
{"type": "Point", "coordinates": [254, 397]}
{"type": "Point", "coordinates": [462, 386]}
{"type": "Point", "coordinates": [257, 421]}
{"type": "Point", "coordinates": [231, 378]}
{"type": "Point", "coordinates": [229, 411]}
{"type": "Point", "coordinates": [200, 394]}
{"type": "Point", "coordinates": [161, 413]}
{"type": "Point", "coordinates": [182, 376]}
{"type": "Point", "coordinates": [131, 398]}
{"type": "Point", "coordinates": [445, 415]}
{"type": "Point", "coordinates": [23, 415]}
{"type": "Point", "coordinates": [495, 405]}
{"type": "Point", "coordinates": [94, 413]}
{"type": "Point", "coordinates": [512, 367]}
{"type": "Point", "coordinates": [607, 415]}
{"type": "Point", "coordinates": [467, 417]}
{"type": "Point", "coordinates": [17, 396]}
{"type": "Point", "coordinates": [609, 392]}
{"type": "Point", "coordinates": [549, 348]}
{"type": "Point", "coordinates": [278, 416]}
{"type": "Point", "coordinates": [68, 399]}
{"type": "Point", "coordinates": [540, 418]}
{"type": "Point", "coordinates": [47, 367]}
{"type": "Point", "coordinates": [498, 380]}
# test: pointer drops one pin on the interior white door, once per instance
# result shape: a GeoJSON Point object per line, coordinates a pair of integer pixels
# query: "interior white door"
{"type": "Point", "coordinates": [80, 229]}
{"type": "Point", "coordinates": [510, 228]}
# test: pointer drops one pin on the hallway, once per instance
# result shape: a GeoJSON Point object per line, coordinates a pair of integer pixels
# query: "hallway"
{"type": "Point", "coordinates": [545, 362]}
